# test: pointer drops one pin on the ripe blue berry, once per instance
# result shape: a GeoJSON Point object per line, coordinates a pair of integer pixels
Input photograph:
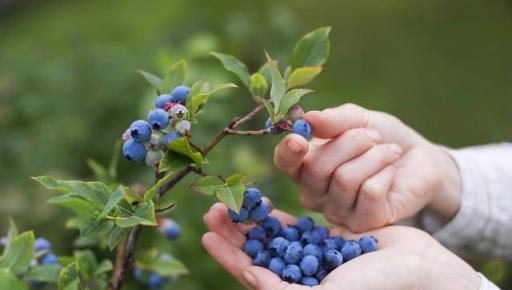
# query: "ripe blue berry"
{"type": "Point", "coordinates": [368, 243]}
{"type": "Point", "coordinates": [273, 131]}
{"type": "Point", "coordinates": [302, 128]}
{"type": "Point", "coordinates": [183, 127]}
{"type": "Point", "coordinates": [309, 265]}
{"type": "Point", "coordinates": [278, 246]}
{"type": "Point", "coordinates": [252, 198]}
{"type": "Point", "coordinates": [158, 119]}
{"type": "Point", "coordinates": [257, 233]}
{"type": "Point", "coordinates": [339, 240]}
{"type": "Point", "coordinates": [277, 265]}
{"type": "Point", "coordinates": [321, 273]}
{"type": "Point", "coordinates": [259, 213]}
{"type": "Point", "coordinates": [290, 233]}
{"type": "Point", "coordinates": [233, 216]}
{"type": "Point", "coordinates": [272, 226]}
{"type": "Point", "coordinates": [244, 215]}
{"type": "Point", "coordinates": [309, 281]}
{"type": "Point", "coordinates": [311, 237]}
{"type": "Point", "coordinates": [262, 258]}
{"type": "Point", "coordinates": [180, 94]}
{"type": "Point", "coordinates": [292, 274]}
{"type": "Point", "coordinates": [293, 253]}
{"type": "Point", "coordinates": [134, 151]}
{"type": "Point", "coordinates": [153, 158]}
{"type": "Point", "coordinates": [155, 281]}
{"type": "Point", "coordinates": [329, 244]}
{"type": "Point", "coordinates": [252, 247]}
{"type": "Point", "coordinates": [162, 100]}
{"type": "Point", "coordinates": [179, 112]}
{"type": "Point", "coordinates": [350, 250]}
{"type": "Point", "coordinates": [171, 136]}
{"type": "Point", "coordinates": [137, 274]}
{"type": "Point", "coordinates": [305, 224]}
{"type": "Point", "coordinates": [172, 231]}
{"type": "Point", "coordinates": [49, 259]}
{"type": "Point", "coordinates": [140, 131]}
{"type": "Point", "coordinates": [314, 250]}
{"type": "Point", "coordinates": [42, 244]}
{"type": "Point", "coordinates": [332, 259]}
{"type": "Point", "coordinates": [295, 113]}
{"type": "Point", "coordinates": [323, 232]}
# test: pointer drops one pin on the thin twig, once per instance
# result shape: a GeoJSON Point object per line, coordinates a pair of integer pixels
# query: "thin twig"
{"type": "Point", "coordinates": [202, 172]}
{"type": "Point", "coordinates": [249, 133]}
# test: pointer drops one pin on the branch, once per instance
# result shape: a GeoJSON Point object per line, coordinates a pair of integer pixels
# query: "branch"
{"type": "Point", "coordinates": [127, 252]}
{"type": "Point", "coordinates": [202, 172]}
{"type": "Point", "coordinates": [249, 133]}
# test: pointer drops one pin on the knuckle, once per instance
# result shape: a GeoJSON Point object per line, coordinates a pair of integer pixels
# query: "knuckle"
{"type": "Point", "coordinates": [333, 217]}
{"type": "Point", "coordinates": [313, 169]}
{"type": "Point", "coordinates": [345, 178]}
{"type": "Point", "coordinates": [371, 190]}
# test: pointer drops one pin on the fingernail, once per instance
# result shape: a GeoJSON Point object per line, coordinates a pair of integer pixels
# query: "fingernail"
{"type": "Point", "coordinates": [294, 146]}
{"type": "Point", "coordinates": [396, 149]}
{"type": "Point", "coordinates": [374, 135]}
{"type": "Point", "coordinates": [249, 278]}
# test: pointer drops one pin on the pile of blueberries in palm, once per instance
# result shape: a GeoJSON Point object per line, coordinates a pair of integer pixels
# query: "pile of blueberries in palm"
{"type": "Point", "coordinates": [146, 140]}
{"type": "Point", "coordinates": [44, 256]}
{"type": "Point", "coordinates": [303, 253]}
{"type": "Point", "coordinates": [170, 230]}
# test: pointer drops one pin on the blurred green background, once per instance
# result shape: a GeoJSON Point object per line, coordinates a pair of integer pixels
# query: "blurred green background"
{"type": "Point", "coordinates": [69, 88]}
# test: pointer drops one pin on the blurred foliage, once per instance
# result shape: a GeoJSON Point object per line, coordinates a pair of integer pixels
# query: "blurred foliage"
{"type": "Point", "coordinates": [69, 87]}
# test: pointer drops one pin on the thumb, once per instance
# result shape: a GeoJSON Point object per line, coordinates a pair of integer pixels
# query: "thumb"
{"type": "Point", "coordinates": [331, 123]}
{"type": "Point", "coordinates": [262, 279]}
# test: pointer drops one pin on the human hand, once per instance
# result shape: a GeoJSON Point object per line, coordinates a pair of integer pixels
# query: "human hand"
{"type": "Point", "coordinates": [407, 258]}
{"type": "Point", "coordinates": [366, 169]}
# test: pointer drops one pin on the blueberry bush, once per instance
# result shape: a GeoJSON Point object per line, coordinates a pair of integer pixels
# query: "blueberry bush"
{"type": "Point", "coordinates": [111, 215]}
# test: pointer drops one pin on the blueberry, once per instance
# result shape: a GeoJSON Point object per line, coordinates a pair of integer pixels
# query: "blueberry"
{"type": "Point", "coordinates": [156, 140]}
{"type": "Point", "coordinates": [49, 259]}
{"type": "Point", "coordinates": [137, 274]}
{"type": "Point", "coordinates": [259, 213]}
{"type": "Point", "coordinates": [272, 226]}
{"type": "Point", "coordinates": [158, 119]}
{"type": "Point", "coordinates": [180, 94]}
{"type": "Point", "coordinates": [290, 233]}
{"type": "Point", "coordinates": [256, 233]}
{"type": "Point", "coordinates": [252, 198]}
{"type": "Point", "coordinates": [275, 130]}
{"type": "Point", "coordinates": [244, 215]}
{"type": "Point", "coordinates": [339, 240]}
{"type": "Point", "coordinates": [329, 244]}
{"type": "Point", "coordinates": [262, 258]}
{"type": "Point", "coordinates": [368, 243]}
{"type": "Point", "coordinates": [309, 265]}
{"type": "Point", "coordinates": [278, 246]}
{"type": "Point", "coordinates": [311, 237]}
{"type": "Point", "coordinates": [179, 112]}
{"type": "Point", "coordinates": [277, 265]}
{"type": "Point", "coordinates": [302, 128]}
{"type": "Point", "coordinates": [155, 281]}
{"type": "Point", "coordinates": [323, 232]}
{"type": "Point", "coordinates": [305, 224]}
{"type": "Point", "coordinates": [183, 127]}
{"type": "Point", "coordinates": [140, 131]}
{"type": "Point", "coordinates": [292, 274]}
{"type": "Point", "coordinates": [309, 281]}
{"type": "Point", "coordinates": [321, 273]}
{"type": "Point", "coordinates": [134, 151]}
{"type": "Point", "coordinates": [171, 136]}
{"type": "Point", "coordinates": [332, 259]}
{"type": "Point", "coordinates": [350, 250]}
{"type": "Point", "coordinates": [42, 244]}
{"type": "Point", "coordinates": [162, 100]}
{"type": "Point", "coordinates": [293, 253]}
{"type": "Point", "coordinates": [172, 232]}
{"type": "Point", "coordinates": [295, 112]}
{"type": "Point", "coordinates": [233, 216]}
{"type": "Point", "coordinates": [252, 247]}
{"type": "Point", "coordinates": [153, 158]}
{"type": "Point", "coordinates": [314, 250]}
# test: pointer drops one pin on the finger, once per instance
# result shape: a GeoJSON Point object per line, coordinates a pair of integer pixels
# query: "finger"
{"type": "Point", "coordinates": [321, 161]}
{"type": "Point", "coordinates": [331, 123]}
{"type": "Point", "coordinates": [218, 221]}
{"type": "Point", "coordinates": [289, 153]}
{"type": "Point", "coordinates": [263, 279]}
{"type": "Point", "coordinates": [228, 256]}
{"type": "Point", "coordinates": [372, 210]}
{"type": "Point", "coordinates": [284, 218]}
{"type": "Point", "coordinates": [348, 178]}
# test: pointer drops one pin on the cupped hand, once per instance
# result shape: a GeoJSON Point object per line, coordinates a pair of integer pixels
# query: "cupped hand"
{"type": "Point", "coordinates": [366, 169]}
{"type": "Point", "coordinates": [407, 258]}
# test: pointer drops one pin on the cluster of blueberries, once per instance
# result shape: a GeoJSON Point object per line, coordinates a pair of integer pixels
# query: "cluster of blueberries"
{"type": "Point", "coordinates": [44, 256]}
{"type": "Point", "coordinates": [294, 122]}
{"type": "Point", "coordinates": [303, 253]}
{"type": "Point", "coordinates": [170, 230]}
{"type": "Point", "coordinates": [146, 140]}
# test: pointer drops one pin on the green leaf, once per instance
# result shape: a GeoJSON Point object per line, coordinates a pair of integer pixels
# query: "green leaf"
{"type": "Point", "coordinates": [115, 237]}
{"type": "Point", "coordinates": [208, 185]}
{"type": "Point", "coordinates": [172, 162]}
{"type": "Point", "coordinates": [115, 197]}
{"type": "Point", "coordinates": [267, 106]}
{"type": "Point", "coordinates": [20, 253]}
{"type": "Point", "coordinates": [168, 267]}
{"type": "Point", "coordinates": [86, 262]}
{"type": "Point", "coordinates": [278, 88]}
{"type": "Point", "coordinates": [291, 98]}
{"type": "Point", "coordinates": [182, 146]}
{"type": "Point", "coordinates": [93, 227]}
{"type": "Point", "coordinates": [235, 66]}
{"type": "Point", "coordinates": [233, 193]}
{"type": "Point", "coordinates": [174, 77]}
{"type": "Point", "coordinates": [312, 49]}
{"type": "Point", "coordinates": [44, 273]}
{"type": "Point", "coordinates": [114, 160]}
{"type": "Point", "coordinates": [150, 193]}
{"type": "Point", "coordinates": [143, 215]}
{"type": "Point", "coordinates": [303, 75]}
{"type": "Point", "coordinates": [100, 172]}
{"type": "Point", "coordinates": [104, 267]}
{"type": "Point", "coordinates": [265, 72]}
{"type": "Point", "coordinates": [69, 278]}
{"type": "Point", "coordinates": [77, 204]}
{"type": "Point", "coordinates": [94, 191]}
{"type": "Point", "coordinates": [151, 78]}
{"type": "Point", "coordinates": [12, 232]}
{"type": "Point", "coordinates": [287, 72]}
{"type": "Point", "coordinates": [259, 85]}
{"type": "Point", "coordinates": [8, 281]}
{"type": "Point", "coordinates": [196, 101]}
